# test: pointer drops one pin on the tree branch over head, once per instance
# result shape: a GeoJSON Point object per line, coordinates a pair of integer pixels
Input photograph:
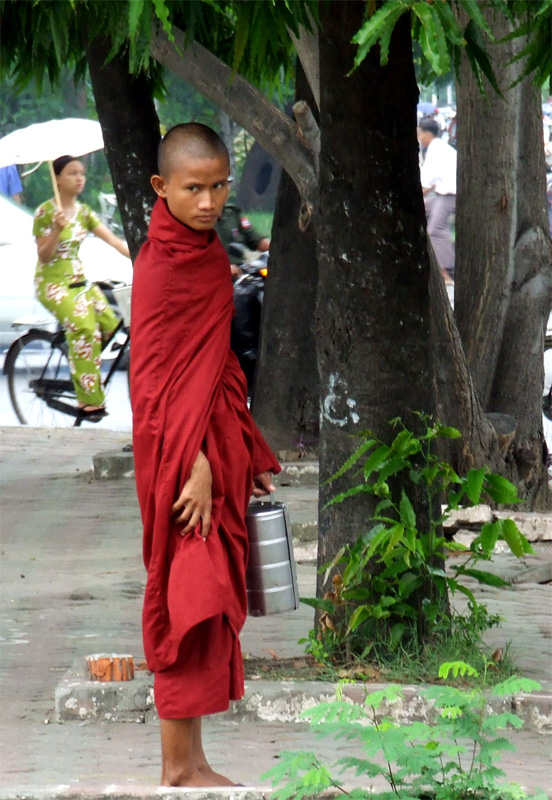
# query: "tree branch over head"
{"type": "Point", "coordinates": [247, 106]}
{"type": "Point", "coordinates": [308, 128]}
{"type": "Point", "coordinates": [308, 52]}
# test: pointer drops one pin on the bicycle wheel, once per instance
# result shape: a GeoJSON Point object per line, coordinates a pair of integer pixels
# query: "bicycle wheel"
{"type": "Point", "coordinates": [37, 367]}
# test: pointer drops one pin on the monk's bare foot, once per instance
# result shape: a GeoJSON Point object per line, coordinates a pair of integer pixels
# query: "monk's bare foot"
{"type": "Point", "coordinates": [208, 772]}
{"type": "Point", "coordinates": [189, 778]}
{"type": "Point", "coordinates": [217, 778]}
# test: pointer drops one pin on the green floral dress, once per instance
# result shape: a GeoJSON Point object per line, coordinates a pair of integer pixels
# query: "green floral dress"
{"type": "Point", "coordinates": [85, 314]}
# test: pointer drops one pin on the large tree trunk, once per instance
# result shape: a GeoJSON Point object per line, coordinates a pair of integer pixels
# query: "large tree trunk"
{"type": "Point", "coordinates": [457, 403]}
{"type": "Point", "coordinates": [373, 310]}
{"type": "Point", "coordinates": [287, 355]}
{"type": "Point", "coordinates": [503, 272]}
{"type": "Point", "coordinates": [285, 403]}
{"type": "Point", "coordinates": [130, 129]}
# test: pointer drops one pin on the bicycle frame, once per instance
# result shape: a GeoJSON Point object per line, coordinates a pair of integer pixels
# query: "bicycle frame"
{"type": "Point", "coordinates": [54, 391]}
{"type": "Point", "coordinates": [122, 350]}
{"type": "Point", "coordinates": [59, 405]}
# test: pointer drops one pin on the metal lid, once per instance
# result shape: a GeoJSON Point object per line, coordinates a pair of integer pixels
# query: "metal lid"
{"type": "Point", "coordinates": [267, 510]}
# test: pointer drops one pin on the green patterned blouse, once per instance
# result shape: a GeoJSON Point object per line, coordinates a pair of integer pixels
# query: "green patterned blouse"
{"type": "Point", "coordinates": [65, 264]}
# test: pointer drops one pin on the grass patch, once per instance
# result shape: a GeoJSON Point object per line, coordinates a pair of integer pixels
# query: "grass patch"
{"type": "Point", "coordinates": [404, 667]}
{"type": "Point", "coordinates": [408, 667]}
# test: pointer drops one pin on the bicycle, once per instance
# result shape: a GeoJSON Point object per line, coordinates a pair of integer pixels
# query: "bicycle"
{"type": "Point", "coordinates": [37, 366]}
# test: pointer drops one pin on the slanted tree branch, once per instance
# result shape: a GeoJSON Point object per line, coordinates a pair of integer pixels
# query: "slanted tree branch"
{"type": "Point", "coordinates": [308, 128]}
{"type": "Point", "coordinates": [247, 106]}
{"type": "Point", "coordinates": [308, 52]}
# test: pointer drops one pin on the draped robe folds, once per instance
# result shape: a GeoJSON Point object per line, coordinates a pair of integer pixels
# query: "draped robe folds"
{"type": "Point", "coordinates": [189, 393]}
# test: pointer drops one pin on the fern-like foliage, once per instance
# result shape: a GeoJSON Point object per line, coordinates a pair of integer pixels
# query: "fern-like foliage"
{"type": "Point", "coordinates": [452, 759]}
{"type": "Point", "coordinates": [436, 27]}
{"type": "Point", "coordinates": [42, 36]}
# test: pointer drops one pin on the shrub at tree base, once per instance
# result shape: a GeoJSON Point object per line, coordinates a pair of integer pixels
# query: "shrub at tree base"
{"type": "Point", "coordinates": [390, 590]}
{"type": "Point", "coordinates": [450, 760]}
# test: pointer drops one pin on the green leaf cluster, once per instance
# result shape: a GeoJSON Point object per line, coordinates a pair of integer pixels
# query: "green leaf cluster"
{"type": "Point", "coordinates": [443, 39]}
{"type": "Point", "coordinates": [451, 759]}
{"type": "Point", "coordinates": [535, 23]}
{"type": "Point", "coordinates": [41, 37]}
{"type": "Point", "coordinates": [392, 586]}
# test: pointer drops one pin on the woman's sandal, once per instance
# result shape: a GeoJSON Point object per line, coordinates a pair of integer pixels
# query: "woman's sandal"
{"type": "Point", "coordinates": [89, 412]}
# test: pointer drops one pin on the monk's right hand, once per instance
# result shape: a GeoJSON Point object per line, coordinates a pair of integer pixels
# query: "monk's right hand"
{"type": "Point", "coordinates": [194, 504]}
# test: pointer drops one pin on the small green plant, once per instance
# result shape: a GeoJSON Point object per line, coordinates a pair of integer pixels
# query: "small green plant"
{"type": "Point", "coordinates": [390, 589]}
{"type": "Point", "coordinates": [452, 759]}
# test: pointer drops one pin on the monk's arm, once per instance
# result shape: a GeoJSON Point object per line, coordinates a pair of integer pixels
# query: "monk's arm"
{"type": "Point", "coordinates": [264, 460]}
{"type": "Point", "coordinates": [264, 466]}
{"type": "Point", "coordinates": [194, 503]}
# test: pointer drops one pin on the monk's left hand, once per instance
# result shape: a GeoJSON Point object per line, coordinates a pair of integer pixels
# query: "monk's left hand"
{"type": "Point", "coordinates": [194, 504]}
{"type": "Point", "coordinates": [262, 484]}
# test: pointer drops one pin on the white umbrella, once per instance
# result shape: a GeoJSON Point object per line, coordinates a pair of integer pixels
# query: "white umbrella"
{"type": "Point", "coordinates": [46, 141]}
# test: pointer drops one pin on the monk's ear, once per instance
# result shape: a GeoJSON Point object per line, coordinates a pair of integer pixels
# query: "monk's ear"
{"type": "Point", "coordinates": [159, 185]}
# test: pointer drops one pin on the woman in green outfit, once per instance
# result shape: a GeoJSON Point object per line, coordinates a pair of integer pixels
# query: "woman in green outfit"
{"type": "Point", "coordinates": [86, 316]}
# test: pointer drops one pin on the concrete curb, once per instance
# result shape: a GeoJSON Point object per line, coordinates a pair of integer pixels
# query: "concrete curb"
{"type": "Point", "coordinates": [298, 473]}
{"type": "Point", "coordinates": [113, 465]}
{"type": "Point", "coordinates": [79, 699]}
{"type": "Point", "coordinates": [114, 792]}
{"type": "Point", "coordinates": [286, 702]}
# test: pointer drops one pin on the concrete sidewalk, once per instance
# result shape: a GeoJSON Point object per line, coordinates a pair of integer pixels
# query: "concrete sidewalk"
{"type": "Point", "coordinates": [72, 584]}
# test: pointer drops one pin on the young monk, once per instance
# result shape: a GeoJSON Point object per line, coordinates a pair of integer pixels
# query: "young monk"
{"type": "Point", "coordinates": [198, 453]}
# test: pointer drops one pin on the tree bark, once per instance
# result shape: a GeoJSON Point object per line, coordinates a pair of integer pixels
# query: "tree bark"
{"type": "Point", "coordinates": [287, 353]}
{"type": "Point", "coordinates": [131, 135]}
{"type": "Point", "coordinates": [373, 307]}
{"type": "Point", "coordinates": [309, 55]}
{"type": "Point", "coordinates": [247, 106]}
{"type": "Point", "coordinates": [227, 134]}
{"type": "Point", "coordinates": [457, 403]}
{"type": "Point", "coordinates": [503, 267]}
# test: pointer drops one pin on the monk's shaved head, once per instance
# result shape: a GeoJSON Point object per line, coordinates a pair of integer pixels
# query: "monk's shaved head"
{"type": "Point", "coordinates": [190, 140]}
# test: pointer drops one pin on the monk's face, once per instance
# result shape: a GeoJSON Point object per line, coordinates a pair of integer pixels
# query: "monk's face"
{"type": "Point", "coordinates": [196, 191]}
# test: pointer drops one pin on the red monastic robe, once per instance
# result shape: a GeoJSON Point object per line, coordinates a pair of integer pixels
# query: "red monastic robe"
{"type": "Point", "coordinates": [189, 393]}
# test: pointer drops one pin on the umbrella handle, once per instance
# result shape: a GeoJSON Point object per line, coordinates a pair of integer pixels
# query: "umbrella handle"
{"type": "Point", "coordinates": [54, 184]}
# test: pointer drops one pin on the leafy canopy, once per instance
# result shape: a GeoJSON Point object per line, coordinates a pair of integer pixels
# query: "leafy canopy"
{"type": "Point", "coordinates": [41, 36]}
{"type": "Point", "coordinates": [436, 27]}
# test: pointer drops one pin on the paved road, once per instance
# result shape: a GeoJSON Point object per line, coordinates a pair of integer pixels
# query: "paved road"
{"type": "Point", "coordinates": [72, 581]}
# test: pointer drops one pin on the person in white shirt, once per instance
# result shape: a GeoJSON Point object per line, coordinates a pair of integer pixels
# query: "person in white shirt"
{"type": "Point", "coordinates": [438, 177]}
